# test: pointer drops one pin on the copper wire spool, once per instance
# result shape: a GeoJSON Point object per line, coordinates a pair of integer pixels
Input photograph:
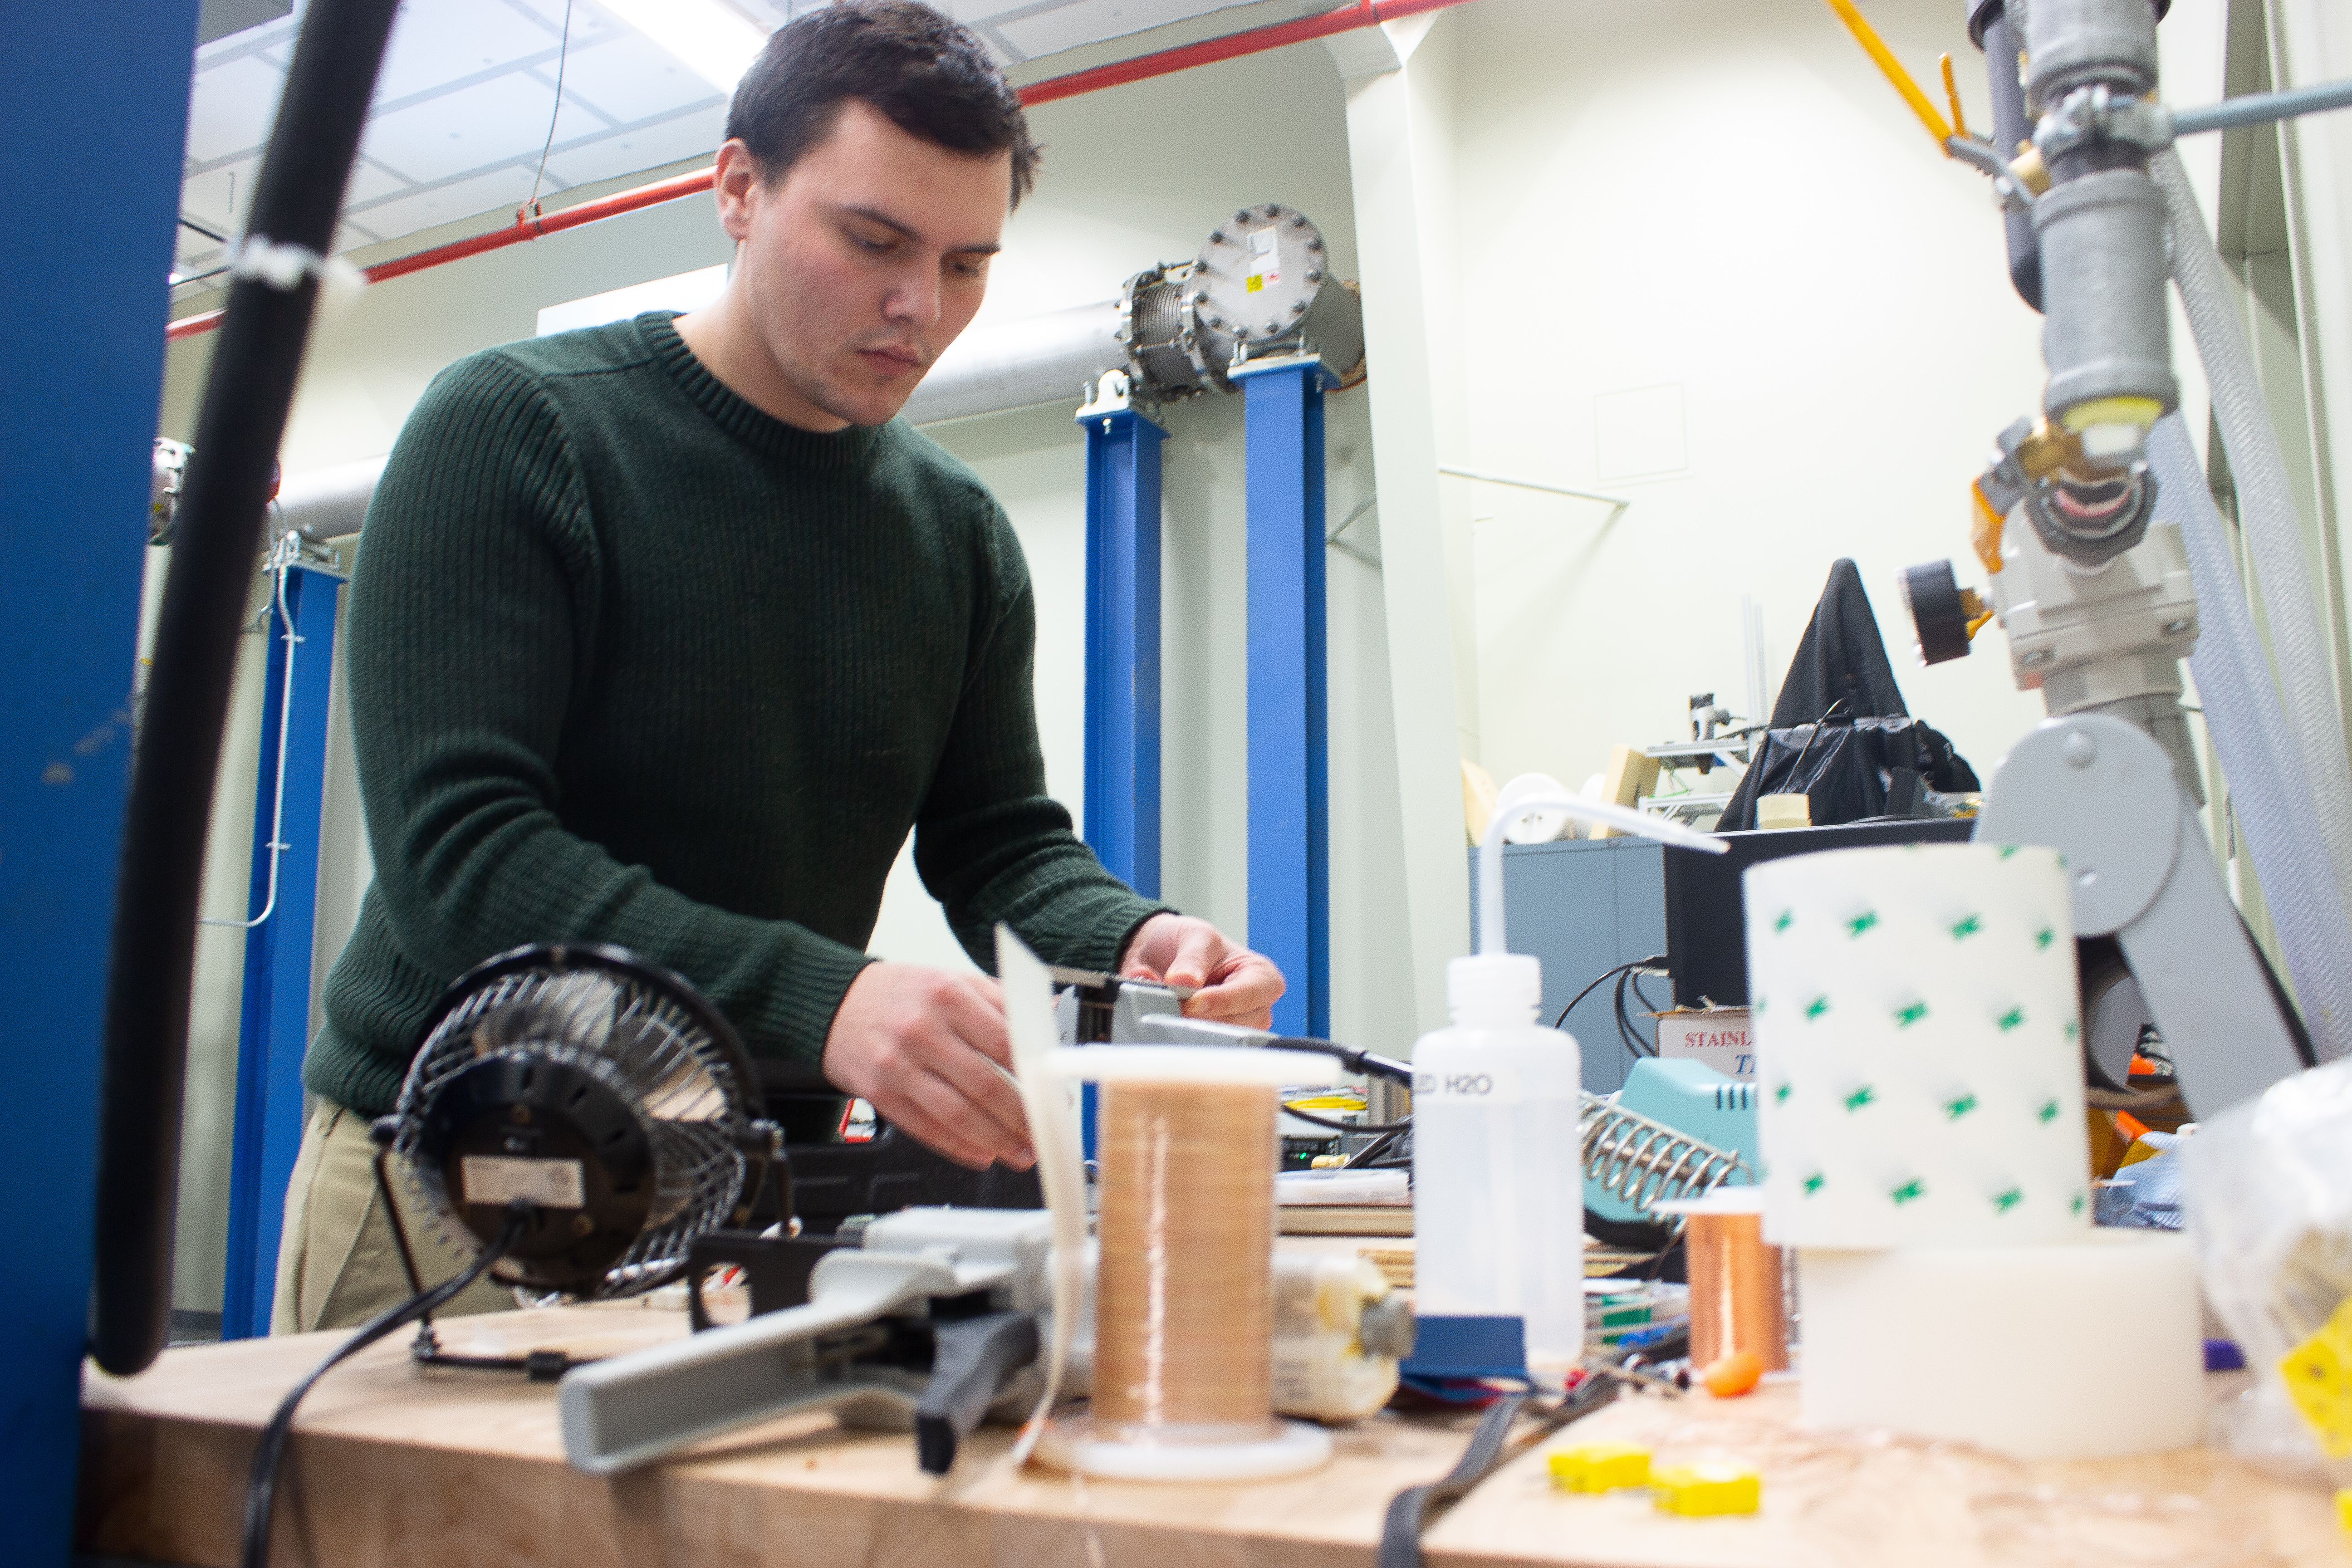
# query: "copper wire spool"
{"type": "Point", "coordinates": [1736, 1302]}
{"type": "Point", "coordinates": [1183, 1296]}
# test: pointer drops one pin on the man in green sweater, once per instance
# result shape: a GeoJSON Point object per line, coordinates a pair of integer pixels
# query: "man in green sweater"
{"type": "Point", "coordinates": [663, 634]}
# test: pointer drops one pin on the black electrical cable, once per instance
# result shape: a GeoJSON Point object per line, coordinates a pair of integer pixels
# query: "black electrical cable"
{"type": "Point", "coordinates": [1349, 1057]}
{"type": "Point", "coordinates": [219, 519]}
{"type": "Point", "coordinates": [1653, 962]}
{"type": "Point", "coordinates": [1491, 1448]}
{"type": "Point", "coordinates": [269, 1456]}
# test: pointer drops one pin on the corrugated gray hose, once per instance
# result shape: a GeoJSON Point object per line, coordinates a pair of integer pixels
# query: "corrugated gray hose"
{"type": "Point", "coordinates": [2285, 759]}
{"type": "Point", "coordinates": [2267, 790]}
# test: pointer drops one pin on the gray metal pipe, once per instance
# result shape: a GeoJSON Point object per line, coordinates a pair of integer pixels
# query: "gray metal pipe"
{"type": "Point", "coordinates": [327, 503]}
{"type": "Point", "coordinates": [2255, 108]}
{"type": "Point", "coordinates": [1053, 358]}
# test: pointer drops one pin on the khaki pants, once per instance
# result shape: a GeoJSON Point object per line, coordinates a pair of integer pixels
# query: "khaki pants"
{"type": "Point", "coordinates": [337, 1263]}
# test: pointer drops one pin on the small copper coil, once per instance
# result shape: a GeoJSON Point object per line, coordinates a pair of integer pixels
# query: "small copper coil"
{"type": "Point", "coordinates": [1736, 1302]}
{"type": "Point", "coordinates": [1184, 1305]}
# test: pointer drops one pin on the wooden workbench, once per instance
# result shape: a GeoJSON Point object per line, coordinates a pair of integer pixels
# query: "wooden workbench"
{"type": "Point", "coordinates": [395, 1466]}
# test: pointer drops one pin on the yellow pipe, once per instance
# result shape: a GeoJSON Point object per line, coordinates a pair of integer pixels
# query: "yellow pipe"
{"type": "Point", "coordinates": [1867, 37]}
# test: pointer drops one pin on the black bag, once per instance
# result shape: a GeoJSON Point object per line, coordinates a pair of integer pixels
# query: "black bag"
{"type": "Point", "coordinates": [1850, 769]}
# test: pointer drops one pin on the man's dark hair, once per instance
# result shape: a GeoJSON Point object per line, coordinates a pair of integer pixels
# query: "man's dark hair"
{"type": "Point", "coordinates": [930, 74]}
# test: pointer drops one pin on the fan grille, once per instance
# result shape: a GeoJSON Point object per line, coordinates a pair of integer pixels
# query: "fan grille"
{"type": "Point", "coordinates": [686, 1087]}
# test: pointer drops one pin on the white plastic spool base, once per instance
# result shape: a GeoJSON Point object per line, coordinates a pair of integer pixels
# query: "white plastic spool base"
{"type": "Point", "coordinates": [1181, 1453]}
{"type": "Point", "coordinates": [1290, 1448]}
{"type": "Point", "coordinates": [2080, 1349]}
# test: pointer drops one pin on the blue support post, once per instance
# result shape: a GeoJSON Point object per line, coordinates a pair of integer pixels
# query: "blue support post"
{"type": "Point", "coordinates": [1122, 654]}
{"type": "Point", "coordinates": [1123, 643]}
{"type": "Point", "coordinates": [1289, 825]}
{"type": "Point", "coordinates": [274, 1030]}
{"type": "Point", "coordinates": [94, 96]}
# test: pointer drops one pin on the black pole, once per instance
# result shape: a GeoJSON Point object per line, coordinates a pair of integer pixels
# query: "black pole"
{"type": "Point", "coordinates": [246, 397]}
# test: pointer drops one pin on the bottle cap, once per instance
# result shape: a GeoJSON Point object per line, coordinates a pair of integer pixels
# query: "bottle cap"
{"type": "Point", "coordinates": [1509, 981]}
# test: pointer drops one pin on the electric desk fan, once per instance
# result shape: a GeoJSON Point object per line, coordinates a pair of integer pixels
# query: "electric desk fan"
{"type": "Point", "coordinates": [606, 1094]}
{"type": "Point", "coordinates": [575, 1119]}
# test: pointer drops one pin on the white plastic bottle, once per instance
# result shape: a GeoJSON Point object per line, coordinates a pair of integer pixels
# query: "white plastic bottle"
{"type": "Point", "coordinates": [1499, 1184]}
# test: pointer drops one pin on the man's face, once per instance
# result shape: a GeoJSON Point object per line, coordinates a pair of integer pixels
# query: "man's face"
{"type": "Point", "coordinates": [866, 260]}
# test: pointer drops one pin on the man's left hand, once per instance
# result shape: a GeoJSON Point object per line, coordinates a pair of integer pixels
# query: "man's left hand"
{"type": "Point", "coordinates": [1230, 983]}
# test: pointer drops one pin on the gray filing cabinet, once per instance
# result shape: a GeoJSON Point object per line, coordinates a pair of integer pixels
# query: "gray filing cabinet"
{"type": "Point", "coordinates": [1582, 906]}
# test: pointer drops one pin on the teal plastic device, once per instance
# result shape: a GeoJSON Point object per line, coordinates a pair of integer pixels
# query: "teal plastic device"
{"type": "Point", "coordinates": [1693, 1098]}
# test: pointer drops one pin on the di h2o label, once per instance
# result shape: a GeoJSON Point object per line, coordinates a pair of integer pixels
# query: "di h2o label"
{"type": "Point", "coordinates": [1463, 1084]}
{"type": "Point", "coordinates": [1487, 1082]}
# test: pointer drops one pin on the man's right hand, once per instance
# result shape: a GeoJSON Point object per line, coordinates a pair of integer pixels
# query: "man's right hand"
{"type": "Point", "coordinates": [918, 1044]}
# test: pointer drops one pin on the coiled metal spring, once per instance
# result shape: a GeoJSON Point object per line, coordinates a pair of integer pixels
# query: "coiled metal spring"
{"type": "Point", "coordinates": [1647, 1162]}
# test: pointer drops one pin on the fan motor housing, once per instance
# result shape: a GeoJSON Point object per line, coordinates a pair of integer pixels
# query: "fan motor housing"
{"type": "Point", "coordinates": [516, 1124]}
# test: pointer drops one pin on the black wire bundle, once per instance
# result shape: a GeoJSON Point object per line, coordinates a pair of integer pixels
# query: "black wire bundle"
{"type": "Point", "coordinates": [1624, 975]}
{"type": "Point", "coordinates": [269, 1457]}
{"type": "Point", "coordinates": [1491, 1448]}
{"type": "Point", "coordinates": [247, 395]}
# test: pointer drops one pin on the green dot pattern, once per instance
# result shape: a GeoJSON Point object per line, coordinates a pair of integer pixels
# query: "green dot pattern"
{"type": "Point", "coordinates": [1890, 1027]}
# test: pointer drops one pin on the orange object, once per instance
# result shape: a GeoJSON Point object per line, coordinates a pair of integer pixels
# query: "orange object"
{"type": "Point", "coordinates": [1984, 531]}
{"type": "Point", "coordinates": [1876, 47]}
{"type": "Point", "coordinates": [2130, 1126]}
{"type": "Point", "coordinates": [2107, 1145]}
{"type": "Point", "coordinates": [2141, 1066]}
{"type": "Point", "coordinates": [1952, 97]}
{"type": "Point", "coordinates": [1734, 1374]}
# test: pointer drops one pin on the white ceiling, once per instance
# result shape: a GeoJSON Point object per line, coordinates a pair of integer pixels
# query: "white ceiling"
{"type": "Point", "coordinates": [462, 106]}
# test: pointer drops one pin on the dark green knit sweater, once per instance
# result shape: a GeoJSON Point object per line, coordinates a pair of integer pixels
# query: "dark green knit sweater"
{"type": "Point", "coordinates": [633, 662]}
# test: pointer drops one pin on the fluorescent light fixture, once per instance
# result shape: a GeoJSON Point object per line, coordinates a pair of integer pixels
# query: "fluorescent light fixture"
{"type": "Point", "coordinates": [714, 40]}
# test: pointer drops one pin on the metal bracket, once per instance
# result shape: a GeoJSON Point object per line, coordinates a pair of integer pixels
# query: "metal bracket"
{"type": "Point", "coordinates": [2104, 795]}
{"type": "Point", "coordinates": [848, 1351]}
{"type": "Point", "coordinates": [1113, 394]}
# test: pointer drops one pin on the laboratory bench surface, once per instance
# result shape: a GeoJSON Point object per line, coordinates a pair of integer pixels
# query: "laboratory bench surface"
{"type": "Point", "coordinates": [393, 1465]}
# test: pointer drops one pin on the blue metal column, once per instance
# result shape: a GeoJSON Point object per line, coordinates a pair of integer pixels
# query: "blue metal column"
{"type": "Point", "coordinates": [93, 98]}
{"type": "Point", "coordinates": [274, 1030]}
{"type": "Point", "coordinates": [1123, 643]}
{"type": "Point", "coordinates": [1122, 822]}
{"type": "Point", "coordinates": [1289, 827]}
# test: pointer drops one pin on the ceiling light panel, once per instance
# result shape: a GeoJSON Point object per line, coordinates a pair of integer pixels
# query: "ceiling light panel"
{"type": "Point", "coordinates": [452, 133]}
{"type": "Point", "coordinates": [694, 134]}
{"type": "Point", "coordinates": [231, 107]}
{"type": "Point", "coordinates": [712, 40]}
{"type": "Point", "coordinates": [435, 42]}
{"type": "Point", "coordinates": [630, 82]}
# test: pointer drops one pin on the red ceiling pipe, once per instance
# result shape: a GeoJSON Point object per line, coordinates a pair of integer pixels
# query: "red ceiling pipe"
{"type": "Point", "coordinates": [1232, 46]}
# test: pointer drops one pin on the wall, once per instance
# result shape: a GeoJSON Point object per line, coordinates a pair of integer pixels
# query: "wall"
{"type": "Point", "coordinates": [1713, 264]}
{"type": "Point", "coordinates": [1113, 200]}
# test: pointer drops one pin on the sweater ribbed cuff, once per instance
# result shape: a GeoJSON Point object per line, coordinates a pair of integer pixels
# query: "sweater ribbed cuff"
{"type": "Point", "coordinates": [799, 1014]}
